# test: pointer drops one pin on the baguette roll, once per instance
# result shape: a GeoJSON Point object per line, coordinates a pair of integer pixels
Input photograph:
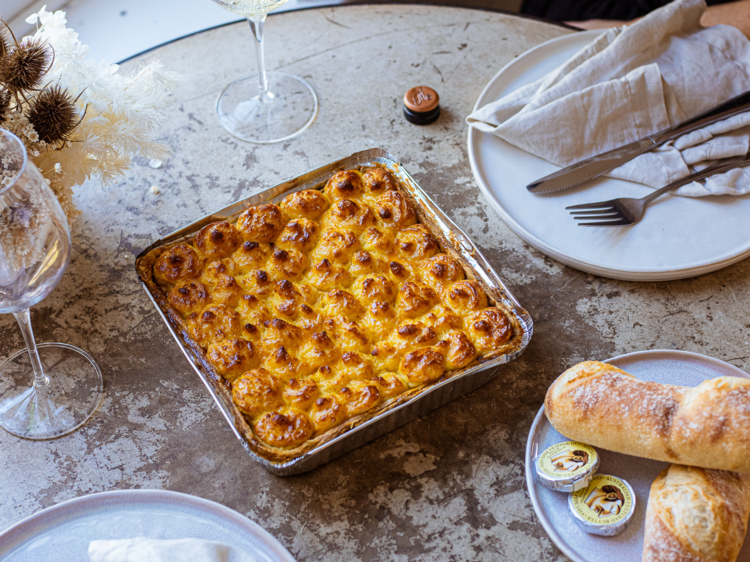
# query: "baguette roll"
{"type": "Point", "coordinates": [706, 426]}
{"type": "Point", "coordinates": [696, 515]}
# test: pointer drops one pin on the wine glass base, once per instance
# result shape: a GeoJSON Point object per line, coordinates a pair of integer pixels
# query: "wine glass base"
{"type": "Point", "coordinates": [292, 110]}
{"type": "Point", "coordinates": [62, 406]}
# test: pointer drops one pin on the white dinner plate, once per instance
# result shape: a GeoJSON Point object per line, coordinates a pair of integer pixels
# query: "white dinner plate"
{"type": "Point", "coordinates": [63, 532]}
{"type": "Point", "coordinates": [679, 237]}
{"type": "Point", "coordinates": [666, 367]}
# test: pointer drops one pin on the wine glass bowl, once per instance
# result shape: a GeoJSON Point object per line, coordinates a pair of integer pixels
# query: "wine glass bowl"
{"type": "Point", "coordinates": [49, 390]}
{"type": "Point", "coordinates": [265, 107]}
{"type": "Point", "coordinates": [34, 236]}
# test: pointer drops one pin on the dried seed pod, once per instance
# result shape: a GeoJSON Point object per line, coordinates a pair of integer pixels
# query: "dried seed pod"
{"type": "Point", "coordinates": [53, 114]}
{"type": "Point", "coordinates": [4, 104]}
{"type": "Point", "coordinates": [4, 43]}
{"type": "Point", "coordinates": [25, 65]}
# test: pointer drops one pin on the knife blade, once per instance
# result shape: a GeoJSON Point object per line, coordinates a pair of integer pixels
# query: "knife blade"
{"type": "Point", "coordinates": [591, 168]}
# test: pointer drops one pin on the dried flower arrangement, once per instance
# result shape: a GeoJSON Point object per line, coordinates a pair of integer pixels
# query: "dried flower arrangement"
{"type": "Point", "coordinates": [78, 119]}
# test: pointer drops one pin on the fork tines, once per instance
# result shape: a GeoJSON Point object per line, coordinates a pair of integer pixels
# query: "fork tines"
{"type": "Point", "coordinates": [604, 212]}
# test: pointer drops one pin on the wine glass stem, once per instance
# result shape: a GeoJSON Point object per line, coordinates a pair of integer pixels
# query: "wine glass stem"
{"type": "Point", "coordinates": [24, 321]}
{"type": "Point", "coordinates": [257, 25]}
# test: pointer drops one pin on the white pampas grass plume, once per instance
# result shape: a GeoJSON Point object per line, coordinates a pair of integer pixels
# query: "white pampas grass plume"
{"type": "Point", "coordinates": [121, 114]}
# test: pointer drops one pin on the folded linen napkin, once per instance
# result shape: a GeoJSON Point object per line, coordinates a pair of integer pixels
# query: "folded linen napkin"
{"type": "Point", "coordinates": [142, 549]}
{"type": "Point", "coordinates": [632, 82]}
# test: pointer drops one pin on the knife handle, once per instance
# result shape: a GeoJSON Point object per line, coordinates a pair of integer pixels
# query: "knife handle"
{"type": "Point", "coordinates": [733, 107]}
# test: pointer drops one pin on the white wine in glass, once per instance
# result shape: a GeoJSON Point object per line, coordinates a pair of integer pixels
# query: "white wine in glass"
{"type": "Point", "coordinates": [265, 107]}
{"type": "Point", "coordinates": [48, 390]}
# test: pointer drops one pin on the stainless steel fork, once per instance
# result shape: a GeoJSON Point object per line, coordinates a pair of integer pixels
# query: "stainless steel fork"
{"type": "Point", "coordinates": [625, 210]}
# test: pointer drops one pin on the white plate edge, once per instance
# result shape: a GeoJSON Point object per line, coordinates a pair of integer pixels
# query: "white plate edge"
{"type": "Point", "coordinates": [540, 245]}
{"type": "Point", "coordinates": [89, 501]}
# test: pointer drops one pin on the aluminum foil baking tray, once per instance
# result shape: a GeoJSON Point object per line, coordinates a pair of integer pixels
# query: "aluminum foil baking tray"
{"type": "Point", "coordinates": [452, 241]}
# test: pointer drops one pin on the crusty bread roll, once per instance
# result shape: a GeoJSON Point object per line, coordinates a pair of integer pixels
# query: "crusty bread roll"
{"type": "Point", "coordinates": [696, 515]}
{"type": "Point", "coordinates": [706, 426]}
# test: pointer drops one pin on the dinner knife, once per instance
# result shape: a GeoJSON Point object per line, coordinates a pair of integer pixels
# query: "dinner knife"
{"type": "Point", "coordinates": [593, 167]}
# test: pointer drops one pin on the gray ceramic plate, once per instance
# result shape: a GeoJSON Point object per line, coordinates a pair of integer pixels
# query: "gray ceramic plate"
{"type": "Point", "coordinates": [63, 532]}
{"type": "Point", "coordinates": [669, 367]}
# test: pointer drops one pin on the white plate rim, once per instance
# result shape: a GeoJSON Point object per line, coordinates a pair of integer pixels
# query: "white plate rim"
{"type": "Point", "coordinates": [546, 524]}
{"type": "Point", "coordinates": [631, 274]}
{"type": "Point", "coordinates": [68, 509]}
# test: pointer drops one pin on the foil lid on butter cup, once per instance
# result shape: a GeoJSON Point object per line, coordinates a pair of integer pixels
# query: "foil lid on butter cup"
{"type": "Point", "coordinates": [605, 507]}
{"type": "Point", "coordinates": [566, 466]}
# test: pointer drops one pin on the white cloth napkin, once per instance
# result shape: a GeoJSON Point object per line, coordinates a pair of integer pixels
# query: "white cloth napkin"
{"type": "Point", "coordinates": [632, 82]}
{"type": "Point", "coordinates": [152, 550]}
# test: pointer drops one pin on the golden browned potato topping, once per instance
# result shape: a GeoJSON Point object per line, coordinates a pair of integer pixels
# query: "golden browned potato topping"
{"type": "Point", "coordinates": [457, 349]}
{"type": "Point", "coordinates": [284, 429]}
{"type": "Point", "coordinates": [177, 264]}
{"type": "Point", "coordinates": [394, 211]}
{"type": "Point", "coordinates": [415, 300]}
{"type": "Point", "coordinates": [377, 240]}
{"type": "Point", "coordinates": [390, 384]}
{"type": "Point", "coordinates": [363, 262]}
{"type": "Point", "coordinates": [490, 329]}
{"type": "Point", "coordinates": [465, 296]}
{"type": "Point", "coordinates": [348, 215]}
{"type": "Point", "coordinates": [299, 234]}
{"type": "Point", "coordinates": [422, 365]}
{"type": "Point", "coordinates": [378, 181]}
{"type": "Point", "coordinates": [376, 288]}
{"type": "Point", "coordinates": [379, 320]}
{"type": "Point", "coordinates": [218, 269]}
{"type": "Point", "coordinates": [261, 223]}
{"type": "Point", "coordinates": [416, 243]}
{"type": "Point", "coordinates": [327, 412]}
{"type": "Point", "coordinates": [326, 276]}
{"type": "Point", "coordinates": [319, 350]}
{"type": "Point", "coordinates": [287, 264]}
{"type": "Point", "coordinates": [216, 322]}
{"type": "Point", "coordinates": [300, 393]}
{"type": "Point", "coordinates": [336, 246]}
{"type": "Point", "coordinates": [359, 396]}
{"type": "Point", "coordinates": [254, 311]}
{"type": "Point", "coordinates": [251, 255]}
{"type": "Point", "coordinates": [441, 270]}
{"type": "Point", "coordinates": [257, 391]}
{"type": "Point", "coordinates": [285, 365]}
{"type": "Point", "coordinates": [329, 305]}
{"type": "Point", "coordinates": [233, 357]}
{"type": "Point", "coordinates": [307, 204]}
{"type": "Point", "coordinates": [189, 297]}
{"type": "Point", "coordinates": [258, 282]}
{"type": "Point", "coordinates": [355, 366]}
{"type": "Point", "coordinates": [217, 240]}
{"type": "Point", "coordinates": [227, 291]}
{"type": "Point", "coordinates": [346, 184]}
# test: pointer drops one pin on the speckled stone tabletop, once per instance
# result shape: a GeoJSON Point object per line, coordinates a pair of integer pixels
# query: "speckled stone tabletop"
{"type": "Point", "coordinates": [449, 486]}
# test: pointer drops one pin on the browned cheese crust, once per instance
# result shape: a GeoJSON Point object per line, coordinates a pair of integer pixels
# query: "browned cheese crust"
{"type": "Point", "coordinates": [320, 312]}
{"type": "Point", "coordinates": [696, 515]}
{"type": "Point", "coordinates": [705, 426]}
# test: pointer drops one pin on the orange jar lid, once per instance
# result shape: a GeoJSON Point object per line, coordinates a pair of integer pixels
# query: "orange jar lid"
{"type": "Point", "coordinates": [421, 99]}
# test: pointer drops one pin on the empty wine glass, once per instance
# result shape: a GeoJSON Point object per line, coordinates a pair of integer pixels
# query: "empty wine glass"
{"type": "Point", "coordinates": [48, 390]}
{"type": "Point", "coordinates": [266, 107]}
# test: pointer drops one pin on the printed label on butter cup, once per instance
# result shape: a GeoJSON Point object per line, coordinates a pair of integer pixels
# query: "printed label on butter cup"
{"type": "Point", "coordinates": [606, 501]}
{"type": "Point", "coordinates": [567, 460]}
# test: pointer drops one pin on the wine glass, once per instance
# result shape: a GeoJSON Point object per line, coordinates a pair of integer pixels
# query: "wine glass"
{"type": "Point", "coordinates": [285, 105]}
{"type": "Point", "coordinates": [34, 252]}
